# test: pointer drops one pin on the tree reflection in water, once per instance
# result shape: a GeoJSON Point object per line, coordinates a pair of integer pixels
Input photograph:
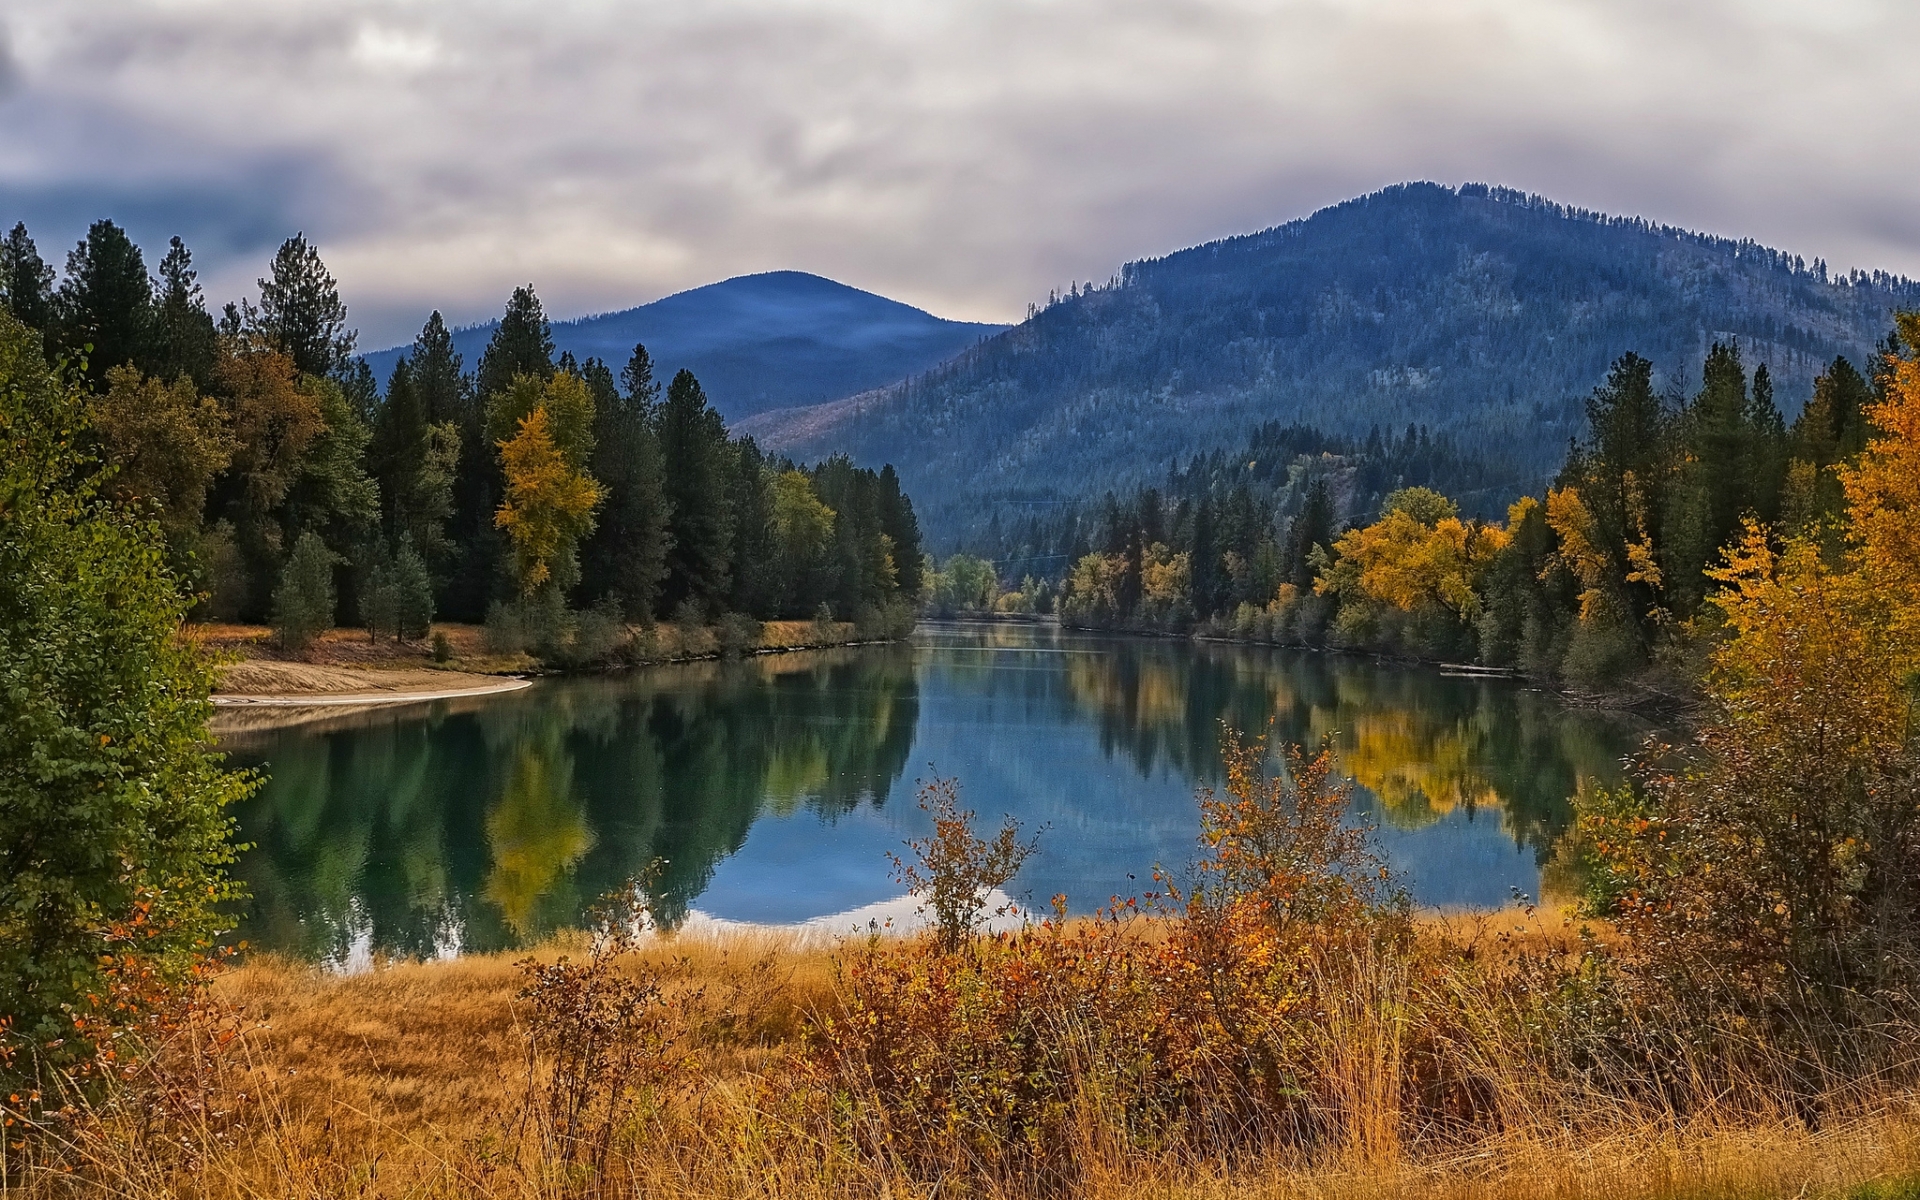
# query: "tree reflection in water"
{"type": "Point", "coordinates": [487, 824]}
{"type": "Point", "coordinates": [492, 824]}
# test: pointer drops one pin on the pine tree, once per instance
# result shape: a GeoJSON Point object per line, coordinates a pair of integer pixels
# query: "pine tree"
{"type": "Point", "coordinates": [697, 465]}
{"type": "Point", "coordinates": [300, 311]}
{"type": "Point", "coordinates": [755, 583]}
{"type": "Point", "coordinates": [26, 282]}
{"type": "Point", "coordinates": [398, 442]}
{"type": "Point", "coordinates": [413, 594]}
{"type": "Point", "coordinates": [1621, 474]}
{"type": "Point", "coordinates": [438, 376]}
{"type": "Point", "coordinates": [903, 530]}
{"type": "Point", "coordinates": [106, 301]}
{"type": "Point", "coordinates": [184, 339]}
{"type": "Point", "coordinates": [626, 556]}
{"type": "Point", "coordinates": [303, 604]}
{"type": "Point", "coordinates": [643, 390]}
{"type": "Point", "coordinates": [1205, 561]}
{"type": "Point", "coordinates": [1312, 526]}
{"type": "Point", "coordinates": [522, 344]}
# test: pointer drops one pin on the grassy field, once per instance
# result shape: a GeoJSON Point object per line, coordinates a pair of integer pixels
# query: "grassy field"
{"type": "Point", "coordinates": [426, 1079]}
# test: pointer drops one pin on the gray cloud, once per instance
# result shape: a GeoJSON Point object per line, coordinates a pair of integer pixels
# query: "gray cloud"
{"type": "Point", "coordinates": [966, 155]}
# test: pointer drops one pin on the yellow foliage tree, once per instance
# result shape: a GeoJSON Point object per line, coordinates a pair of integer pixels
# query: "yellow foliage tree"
{"type": "Point", "coordinates": [1883, 492]}
{"type": "Point", "coordinates": [1409, 562]}
{"type": "Point", "coordinates": [1786, 860]}
{"type": "Point", "coordinates": [548, 507]}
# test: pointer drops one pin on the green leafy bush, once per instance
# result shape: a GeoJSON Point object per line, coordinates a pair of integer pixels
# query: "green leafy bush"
{"type": "Point", "coordinates": [113, 833]}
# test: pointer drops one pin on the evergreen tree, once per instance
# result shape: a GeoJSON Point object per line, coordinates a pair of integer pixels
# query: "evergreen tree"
{"type": "Point", "coordinates": [903, 531]}
{"type": "Point", "coordinates": [1732, 441]}
{"type": "Point", "coordinates": [438, 376]}
{"type": "Point", "coordinates": [697, 467]}
{"type": "Point", "coordinates": [626, 557]}
{"type": "Point", "coordinates": [106, 301]}
{"type": "Point", "coordinates": [303, 604]}
{"type": "Point", "coordinates": [1312, 526]}
{"type": "Point", "coordinates": [362, 390]}
{"type": "Point", "coordinates": [26, 281]}
{"type": "Point", "coordinates": [185, 342]}
{"type": "Point", "coordinates": [412, 594]}
{"type": "Point", "coordinates": [522, 344]}
{"type": "Point", "coordinates": [300, 311]}
{"type": "Point", "coordinates": [1205, 561]}
{"type": "Point", "coordinates": [755, 553]}
{"type": "Point", "coordinates": [1621, 473]}
{"type": "Point", "coordinates": [1833, 426]}
{"type": "Point", "coordinates": [643, 390]}
{"type": "Point", "coordinates": [397, 446]}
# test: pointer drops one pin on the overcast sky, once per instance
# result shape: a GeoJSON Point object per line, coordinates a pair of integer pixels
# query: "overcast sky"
{"type": "Point", "coordinates": [962, 155]}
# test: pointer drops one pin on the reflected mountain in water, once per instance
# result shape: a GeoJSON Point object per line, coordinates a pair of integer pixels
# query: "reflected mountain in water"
{"type": "Point", "coordinates": [771, 790]}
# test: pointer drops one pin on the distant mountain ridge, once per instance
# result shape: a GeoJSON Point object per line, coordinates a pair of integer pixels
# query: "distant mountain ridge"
{"type": "Point", "coordinates": [757, 342]}
{"type": "Point", "coordinates": [1478, 312]}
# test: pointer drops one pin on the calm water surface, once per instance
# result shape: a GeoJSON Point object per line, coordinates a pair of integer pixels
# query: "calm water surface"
{"type": "Point", "coordinates": [771, 790]}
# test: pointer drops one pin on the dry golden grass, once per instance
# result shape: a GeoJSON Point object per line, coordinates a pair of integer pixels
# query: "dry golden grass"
{"type": "Point", "coordinates": [409, 1080]}
{"type": "Point", "coordinates": [343, 660]}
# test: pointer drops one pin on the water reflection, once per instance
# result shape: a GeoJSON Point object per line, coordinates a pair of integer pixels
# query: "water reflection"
{"type": "Point", "coordinates": [771, 790]}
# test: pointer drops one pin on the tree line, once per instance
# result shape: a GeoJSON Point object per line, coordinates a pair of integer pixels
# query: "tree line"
{"type": "Point", "coordinates": [292, 487]}
{"type": "Point", "coordinates": [1603, 576]}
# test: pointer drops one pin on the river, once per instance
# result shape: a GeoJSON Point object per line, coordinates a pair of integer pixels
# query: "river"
{"type": "Point", "coordinates": [771, 790]}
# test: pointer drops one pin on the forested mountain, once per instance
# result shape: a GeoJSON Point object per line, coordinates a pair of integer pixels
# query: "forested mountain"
{"type": "Point", "coordinates": [1481, 314]}
{"type": "Point", "coordinates": [757, 341]}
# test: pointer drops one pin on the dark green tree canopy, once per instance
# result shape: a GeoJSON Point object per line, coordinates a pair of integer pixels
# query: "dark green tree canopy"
{"type": "Point", "coordinates": [106, 301]}
{"type": "Point", "coordinates": [184, 336]}
{"type": "Point", "coordinates": [26, 281]}
{"type": "Point", "coordinates": [698, 463]}
{"type": "Point", "coordinates": [301, 314]}
{"type": "Point", "coordinates": [521, 345]}
{"type": "Point", "coordinates": [438, 374]}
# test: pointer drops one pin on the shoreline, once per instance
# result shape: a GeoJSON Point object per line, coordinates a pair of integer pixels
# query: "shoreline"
{"type": "Point", "coordinates": [363, 699]}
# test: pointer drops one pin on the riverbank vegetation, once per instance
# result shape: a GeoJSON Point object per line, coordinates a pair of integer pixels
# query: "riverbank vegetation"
{"type": "Point", "coordinates": [547, 498]}
{"type": "Point", "coordinates": [1728, 1011]}
{"type": "Point", "coordinates": [1603, 577]}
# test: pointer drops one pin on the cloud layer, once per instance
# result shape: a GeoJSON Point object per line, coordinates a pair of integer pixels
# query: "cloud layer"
{"type": "Point", "coordinates": [964, 155]}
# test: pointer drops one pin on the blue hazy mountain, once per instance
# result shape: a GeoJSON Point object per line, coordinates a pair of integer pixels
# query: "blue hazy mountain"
{"type": "Point", "coordinates": [1483, 314]}
{"type": "Point", "coordinates": [757, 342]}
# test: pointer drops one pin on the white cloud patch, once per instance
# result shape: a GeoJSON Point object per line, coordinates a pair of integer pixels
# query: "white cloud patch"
{"type": "Point", "coordinates": [966, 155]}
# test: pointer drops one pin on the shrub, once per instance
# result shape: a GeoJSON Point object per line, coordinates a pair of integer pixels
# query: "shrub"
{"type": "Point", "coordinates": [442, 648]}
{"type": "Point", "coordinates": [505, 630]}
{"type": "Point", "coordinates": [303, 603]}
{"type": "Point", "coordinates": [113, 835]}
{"type": "Point", "coordinates": [738, 634]}
{"type": "Point", "coordinates": [824, 631]}
{"type": "Point", "coordinates": [953, 872]}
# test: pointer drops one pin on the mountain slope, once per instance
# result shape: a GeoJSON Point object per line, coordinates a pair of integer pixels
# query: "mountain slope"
{"type": "Point", "coordinates": [1478, 312]}
{"type": "Point", "coordinates": [758, 341]}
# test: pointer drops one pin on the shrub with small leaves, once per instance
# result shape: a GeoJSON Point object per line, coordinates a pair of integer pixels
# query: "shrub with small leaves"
{"type": "Point", "coordinates": [114, 839]}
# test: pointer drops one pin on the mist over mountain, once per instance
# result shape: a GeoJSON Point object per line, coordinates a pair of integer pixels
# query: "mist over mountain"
{"type": "Point", "coordinates": [757, 342]}
{"type": "Point", "coordinates": [1483, 314]}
